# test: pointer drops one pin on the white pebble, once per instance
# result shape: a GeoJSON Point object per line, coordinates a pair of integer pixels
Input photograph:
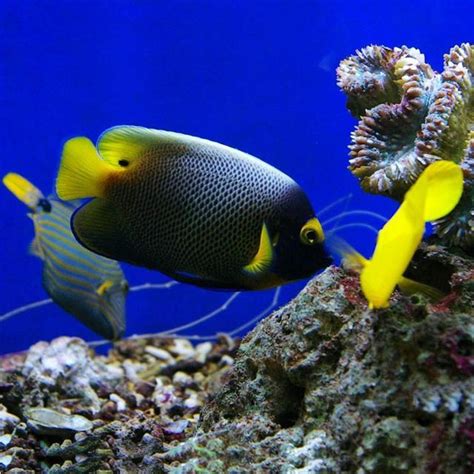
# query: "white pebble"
{"type": "Point", "coordinates": [7, 418]}
{"type": "Point", "coordinates": [121, 403]}
{"type": "Point", "coordinates": [183, 348]}
{"type": "Point", "coordinates": [6, 460]}
{"type": "Point", "coordinates": [5, 439]}
{"type": "Point", "coordinates": [199, 377]}
{"type": "Point", "coordinates": [202, 350]}
{"type": "Point", "coordinates": [226, 360]}
{"type": "Point", "coordinates": [158, 353]}
{"type": "Point", "coordinates": [182, 379]}
{"type": "Point", "coordinates": [192, 401]}
{"type": "Point", "coordinates": [132, 369]}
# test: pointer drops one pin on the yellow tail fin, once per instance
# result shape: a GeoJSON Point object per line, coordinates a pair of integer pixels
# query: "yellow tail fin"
{"type": "Point", "coordinates": [23, 190]}
{"type": "Point", "coordinates": [82, 171]}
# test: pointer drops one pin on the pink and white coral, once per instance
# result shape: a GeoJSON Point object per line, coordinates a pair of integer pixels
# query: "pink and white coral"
{"type": "Point", "coordinates": [410, 116]}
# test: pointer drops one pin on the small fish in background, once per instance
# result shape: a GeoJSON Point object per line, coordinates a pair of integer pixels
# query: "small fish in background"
{"type": "Point", "coordinates": [434, 195]}
{"type": "Point", "coordinates": [90, 287]}
{"type": "Point", "coordinates": [196, 210]}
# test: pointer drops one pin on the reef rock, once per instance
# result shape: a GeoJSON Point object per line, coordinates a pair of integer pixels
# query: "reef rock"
{"type": "Point", "coordinates": [325, 385]}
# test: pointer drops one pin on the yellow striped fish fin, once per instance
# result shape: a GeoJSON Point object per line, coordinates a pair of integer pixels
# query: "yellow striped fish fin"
{"type": "Point", "coordinates": [84, 284]}
{"type": "Point", "coordinates": [25, 191]}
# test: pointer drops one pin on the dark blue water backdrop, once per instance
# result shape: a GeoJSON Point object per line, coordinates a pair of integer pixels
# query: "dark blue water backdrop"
{"type": "Point", "coordinates": [256, 75]}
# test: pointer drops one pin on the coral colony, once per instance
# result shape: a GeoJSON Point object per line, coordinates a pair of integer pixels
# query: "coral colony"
{"type": "Point", "coordinates": [411, 116]}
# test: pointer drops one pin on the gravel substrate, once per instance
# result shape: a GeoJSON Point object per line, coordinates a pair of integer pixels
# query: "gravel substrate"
{"type": "Point", "coordinates": [66, 409]}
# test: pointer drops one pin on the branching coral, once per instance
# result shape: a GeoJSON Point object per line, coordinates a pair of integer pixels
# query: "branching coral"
{"type": "Point", "coordinates": [409, 117]}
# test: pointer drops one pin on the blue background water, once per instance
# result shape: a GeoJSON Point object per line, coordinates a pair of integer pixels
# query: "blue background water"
{"type": "Point", "coordinates": [256, 75]}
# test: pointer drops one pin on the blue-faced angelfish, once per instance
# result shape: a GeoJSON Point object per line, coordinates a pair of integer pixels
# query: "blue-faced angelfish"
{"type": "Point", "coordinates": [90, 287]}
{"type": "Point", "coordinates": [196, 210]}
{"type": "Point", "coordinates": [434, 195]}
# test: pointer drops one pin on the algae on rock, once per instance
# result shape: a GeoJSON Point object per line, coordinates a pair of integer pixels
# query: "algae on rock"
{"type": "Point", "coordinates": [325, 385]}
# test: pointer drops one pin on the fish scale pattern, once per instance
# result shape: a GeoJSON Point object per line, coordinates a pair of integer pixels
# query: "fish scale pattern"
{"type": "Point", "coordinates": [209, 207]}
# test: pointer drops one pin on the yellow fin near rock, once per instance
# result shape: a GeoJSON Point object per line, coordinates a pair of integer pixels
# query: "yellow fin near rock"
{"type": "Point", "coordinates": [410, 287]}
{"type": "Point", "coordinates": [264, 256]}
{"type": "Point", "coordinates": [436, 192]}
{"type": "Point", "coordinates": [82, 171]}
{"type": "Point", "coordinates": [25, 191]}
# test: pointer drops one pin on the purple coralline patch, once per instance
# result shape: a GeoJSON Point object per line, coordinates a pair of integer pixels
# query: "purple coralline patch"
{"type": "Point", "coordinates": [460, 351]}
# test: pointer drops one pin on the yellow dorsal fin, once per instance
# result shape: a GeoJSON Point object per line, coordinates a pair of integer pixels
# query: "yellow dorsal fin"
{"type": "Point", "coordinates": [104, 287]}
{"type": "Point", "coordinates": [128, 142]}
{"type": "Point", "coordinates": [263, 258]}
{"type": "Point", "coordinates": [82, 171]}
{"type": "Point", "coordinates": [23, 190]}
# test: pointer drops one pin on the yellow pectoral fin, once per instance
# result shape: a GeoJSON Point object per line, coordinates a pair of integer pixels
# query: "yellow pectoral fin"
{"type": "Point", "coordinates": [82, 171]}
{"type": "Point", "coordinates": [264, 256]}
{"type": "Point", "coordinates": [23, 189]}
{"type": "Point", "coordinates": [104, 287]}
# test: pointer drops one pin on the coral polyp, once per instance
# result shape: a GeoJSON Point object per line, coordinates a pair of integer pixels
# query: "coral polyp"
{"type": "Point", "coordinates": [410, 116]}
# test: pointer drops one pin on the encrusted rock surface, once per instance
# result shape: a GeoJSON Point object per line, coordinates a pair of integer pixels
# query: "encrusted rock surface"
{"type": "Point", "coordinates": [324, 385]}
{"type": "Point", "coordinates": [321, 385]}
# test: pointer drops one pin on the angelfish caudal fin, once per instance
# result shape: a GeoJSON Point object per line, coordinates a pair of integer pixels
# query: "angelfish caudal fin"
{"type": "Point", "coordinates": [82, 171]}
{"type": "Point", "coordinates": [23, 190]}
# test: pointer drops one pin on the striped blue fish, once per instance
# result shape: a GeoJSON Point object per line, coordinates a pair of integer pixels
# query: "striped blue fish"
{"type": "Point", "coordinates": [90, 287]}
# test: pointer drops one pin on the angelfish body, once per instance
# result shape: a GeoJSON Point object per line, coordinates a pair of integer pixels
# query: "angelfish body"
{"type": "Point", "coordinates": [88, 286]}
{"type": "Point", "coordinates": [196, 210]}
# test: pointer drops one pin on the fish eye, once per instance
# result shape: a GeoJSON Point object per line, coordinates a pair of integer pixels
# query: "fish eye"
{"type": "Point", "coordinates": [311, 236]}
{"type": "Point", "coordinates": [312, 232]}
{"type": "Point", "coordinates": [124, 163]}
